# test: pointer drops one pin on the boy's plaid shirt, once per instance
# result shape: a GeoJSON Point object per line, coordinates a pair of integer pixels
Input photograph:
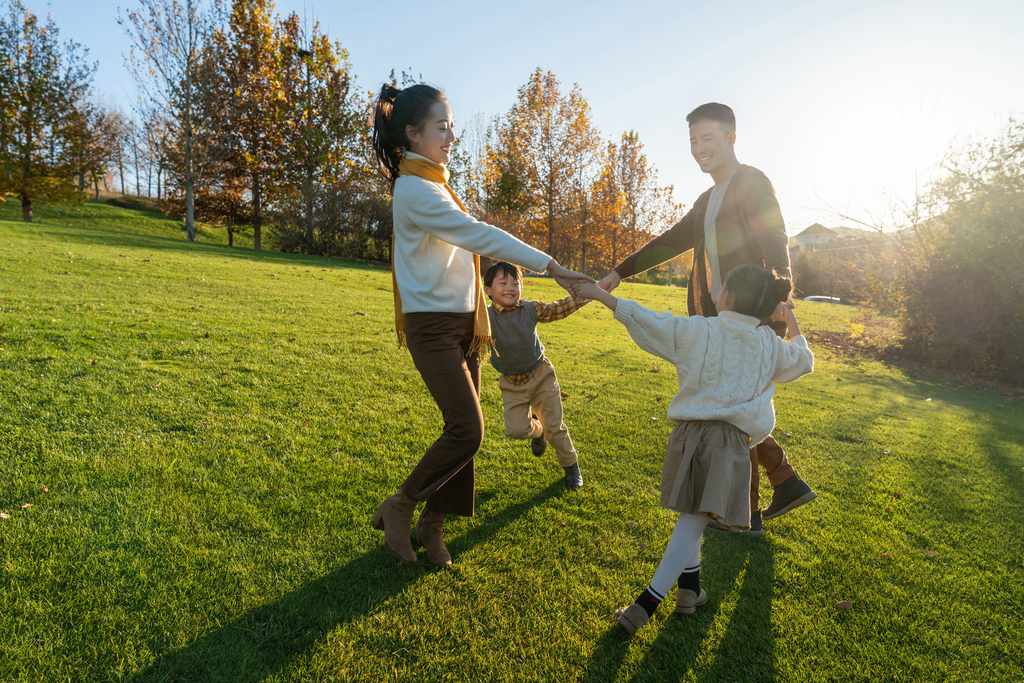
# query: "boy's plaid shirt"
{"type": "Point", "coordinates": [546, 313]}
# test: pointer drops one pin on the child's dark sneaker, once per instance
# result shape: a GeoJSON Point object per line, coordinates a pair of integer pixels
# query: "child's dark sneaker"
{"type": "Point", "coordinates": [756, 528]}
{"type": "Point", "coordinates": [632, 617]}
{"type": "Point", "coordinates": [573, 476]}
{"type": "Point", "coordinates": [789, 495]}
{"type": "Point", "coordinates": [539, 445]}
{"type": "Point", "coordinates": [687, 601]}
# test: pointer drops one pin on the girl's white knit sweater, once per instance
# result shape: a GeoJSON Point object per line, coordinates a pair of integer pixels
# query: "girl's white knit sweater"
{"type": "Point", "coordinates": [434, 245]}
{"type": "Point", "coordinates": [727, 366]}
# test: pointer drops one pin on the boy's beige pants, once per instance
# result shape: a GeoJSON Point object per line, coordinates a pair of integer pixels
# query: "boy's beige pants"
{"type": "Point", "coordinates": [542, 393]}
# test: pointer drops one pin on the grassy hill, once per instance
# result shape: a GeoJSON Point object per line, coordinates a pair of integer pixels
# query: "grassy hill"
{"type": "Point", "coordinates": [193, 440]}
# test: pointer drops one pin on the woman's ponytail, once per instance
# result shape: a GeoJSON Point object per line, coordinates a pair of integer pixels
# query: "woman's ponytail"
{"type": "Point", "coordinates": [394, 110]}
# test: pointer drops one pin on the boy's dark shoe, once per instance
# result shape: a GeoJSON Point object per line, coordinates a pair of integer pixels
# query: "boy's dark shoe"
{"type": "Point", "coordinates": [539, 445]}
{"type": "Point", "coordinates": [756, 528]}
{"type": "Point", "coordinates": [573, 476]}
{"type": "Point", "coordinates": [789, 495]}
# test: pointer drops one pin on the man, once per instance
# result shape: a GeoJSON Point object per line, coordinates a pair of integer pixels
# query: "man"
{"type": "Point", "coordinates": [736, 222]}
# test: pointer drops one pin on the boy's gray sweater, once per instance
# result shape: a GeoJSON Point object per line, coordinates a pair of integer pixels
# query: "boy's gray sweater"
{"type": "Point", "coordinates": [518, 347]}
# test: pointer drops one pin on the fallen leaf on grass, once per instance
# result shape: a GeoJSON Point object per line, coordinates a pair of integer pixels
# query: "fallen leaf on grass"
{"type": "Point", "coordinates": [26, 506]}
{"type": "Point", "coordinates": [561, 524]}
{"type": "Point", "coordinates": [885, 556]}
{"type": "Point", "coordinates": [46, 489]}
{"type": "Point", "coordinates": [888, 509]}
{"type": "Point", "coordinates": [564, 395]}
{"type": "Point", "coordinates": [642, 546]}
{"type": "Point", "coordinates": [845, 604]}
{"type": "Point", "coordinates": [4, 515]}
{"type": "Point", "coordinates": [657, 398]}
{"type": "Point", "coordinates": [927, 399]}
{"type": "Point", "coordinates": [407, 429]}
{"type": "Point", "coordinates": [896, 494]}
{"type": "Point", "coordinates": [929, 553]}
{"type": "Point", "coordinates": [266, 437]}
{"type": "Point", "coordinates": [632, 524]}
{"type": "Point", "coordinates": [358, 313]}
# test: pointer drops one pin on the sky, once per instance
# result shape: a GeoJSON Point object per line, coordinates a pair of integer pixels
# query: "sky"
{"type": "Point", "coordinates": [846, 105]}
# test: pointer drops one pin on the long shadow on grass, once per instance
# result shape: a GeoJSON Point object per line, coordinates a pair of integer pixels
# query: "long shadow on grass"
{"type": "Point", "coordinates": [747, 650]}
{"type": "Point", "coordinates": [264, 640]}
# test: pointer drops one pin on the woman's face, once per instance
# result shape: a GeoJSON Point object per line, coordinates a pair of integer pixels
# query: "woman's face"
{"type": "Point", "coordinates": [434, 140]}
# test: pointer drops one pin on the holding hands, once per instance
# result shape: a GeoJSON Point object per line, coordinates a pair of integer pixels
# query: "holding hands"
{"type": "Point", "coordinates": [784, 313]}
{"type": "Point", "coordinates": [568, 279]}
{"type": "Point", "coordinates": [593, 290]}
{"type": "Point", "coordinates": [610, 281]}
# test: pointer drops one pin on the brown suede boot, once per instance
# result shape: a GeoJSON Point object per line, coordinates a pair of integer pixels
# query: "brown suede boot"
{"type": "Point", "coordinates": [430, 534]}
{"type": "Point", "coordinates": [394, 518]}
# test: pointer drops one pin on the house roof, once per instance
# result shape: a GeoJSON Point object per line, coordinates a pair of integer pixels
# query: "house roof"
{"type": "Point", "coordinates": [815, 229]}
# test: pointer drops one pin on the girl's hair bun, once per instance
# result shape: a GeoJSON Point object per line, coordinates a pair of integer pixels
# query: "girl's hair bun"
{"type": "Point", "coordinates": [389, 92]}
{"type": "Point", "coordinates": [757, 290]}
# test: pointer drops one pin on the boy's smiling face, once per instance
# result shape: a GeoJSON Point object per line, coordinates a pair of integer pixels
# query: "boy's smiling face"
{"type": "Point", "coordinates": [505, 290]}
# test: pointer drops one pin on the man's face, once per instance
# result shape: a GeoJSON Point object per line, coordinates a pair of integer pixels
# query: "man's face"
{"type": "Point", "coordinates": [711, 147]}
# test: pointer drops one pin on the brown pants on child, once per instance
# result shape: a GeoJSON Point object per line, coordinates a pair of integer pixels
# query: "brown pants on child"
{"type": "Point", "coordinates": [444, 476]}
{"type": "Point", "coordinates": [542, 393]}
{"type": "Point", "coordinates": [773, 459]}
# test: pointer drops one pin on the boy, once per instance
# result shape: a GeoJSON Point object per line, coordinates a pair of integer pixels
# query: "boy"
{"type": "Point", "coordinates": [527, 376]}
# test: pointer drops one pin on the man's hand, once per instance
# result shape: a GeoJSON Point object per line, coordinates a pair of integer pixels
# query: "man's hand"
{"type": "Point", "coordinates": [610, 281]}
{"type": "Point", "coordinates": [567, 278]}
{"type": "Point", "coordinates": [784, 313]}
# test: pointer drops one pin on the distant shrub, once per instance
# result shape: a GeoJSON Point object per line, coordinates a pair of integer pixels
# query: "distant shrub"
{"type": "Point", "coordinates": [957, 283]}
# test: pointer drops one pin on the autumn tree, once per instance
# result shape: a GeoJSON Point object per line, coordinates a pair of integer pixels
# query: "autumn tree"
{"type": "Point", "coordinates": [541, 144]}
{"type": "Point", "coordinates": [44, 129]}
{"type": "Point", "coordinates": [250, 60]}
{"type": "Point", "coordinates": [169, 39]}
{"type": "Point", "coordinates": [321, 121]}
{"type": "Point", "coordinates": [103, 146]}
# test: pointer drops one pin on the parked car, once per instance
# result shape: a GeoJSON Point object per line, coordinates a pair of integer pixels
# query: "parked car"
{"type": "Point", "coordinates": [824, 299]}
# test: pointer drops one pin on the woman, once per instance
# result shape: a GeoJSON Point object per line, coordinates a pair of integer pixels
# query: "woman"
{"type": "Point", "coordinates": [440, 310]}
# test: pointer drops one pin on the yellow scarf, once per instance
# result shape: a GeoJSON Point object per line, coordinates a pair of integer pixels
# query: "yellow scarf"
{"type": "Point", "coordinates": [427, 169]}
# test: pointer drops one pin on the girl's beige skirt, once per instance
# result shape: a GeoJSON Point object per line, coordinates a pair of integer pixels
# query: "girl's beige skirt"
{"type": "Point", "coordinates": [707, 471]}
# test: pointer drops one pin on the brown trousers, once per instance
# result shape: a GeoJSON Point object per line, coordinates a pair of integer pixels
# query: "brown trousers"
{"type": "Point", "coordinates": [439, 344]}
{"type": "Point", "coordinates": [775, 463]}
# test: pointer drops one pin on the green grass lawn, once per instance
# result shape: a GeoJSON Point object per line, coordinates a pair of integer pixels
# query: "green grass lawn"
{"type": "Point", "coordinates": [108, 218]}
{"type": "Point", "coordinates": [193, 440]}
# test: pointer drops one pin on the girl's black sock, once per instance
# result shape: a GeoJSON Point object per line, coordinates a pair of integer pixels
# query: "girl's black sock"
{"type": "Point", "coordinates": [690, 579]}
{"type": "Point", "coordinates": [649, 600]}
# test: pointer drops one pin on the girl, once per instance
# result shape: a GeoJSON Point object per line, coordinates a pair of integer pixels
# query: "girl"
{"type": "Point", "coordinates": [440, 309]}
{"type": "Point", "coordinates": [727, 368]}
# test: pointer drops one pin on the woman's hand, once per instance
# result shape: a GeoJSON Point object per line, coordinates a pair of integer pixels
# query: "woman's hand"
{"type": "Point", "coordinates": [567, 278]}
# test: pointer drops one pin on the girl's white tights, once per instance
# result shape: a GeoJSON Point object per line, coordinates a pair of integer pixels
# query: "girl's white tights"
{"type": "Point", "coordinates": [683, 552]}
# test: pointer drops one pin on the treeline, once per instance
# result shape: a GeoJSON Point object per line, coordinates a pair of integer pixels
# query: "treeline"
{"type": "Point", "coordinates": [542, 172]}
{"type": "Point", "coordinates": [250, 121]}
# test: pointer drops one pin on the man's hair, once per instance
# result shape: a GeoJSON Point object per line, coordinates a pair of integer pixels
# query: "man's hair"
{"type": "Point", "coordinates": [713, 111]}
{"type": "Point", "coordinates": [503, 267]}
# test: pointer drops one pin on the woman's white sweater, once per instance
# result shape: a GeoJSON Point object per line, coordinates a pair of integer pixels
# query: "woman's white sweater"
{"type": "Point", "coordinates": [434, 245]}
{"type": "Point", "coordinates": [727, 366]}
